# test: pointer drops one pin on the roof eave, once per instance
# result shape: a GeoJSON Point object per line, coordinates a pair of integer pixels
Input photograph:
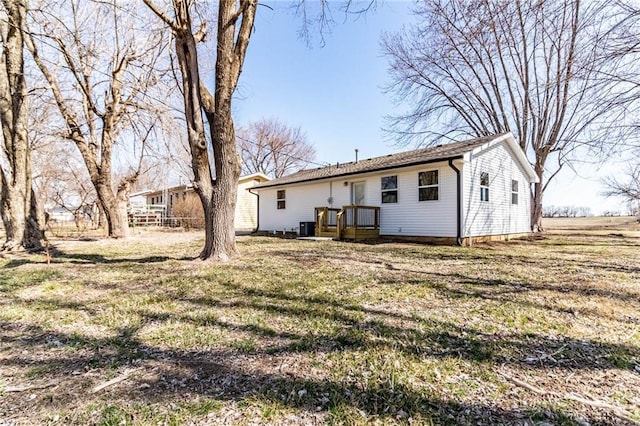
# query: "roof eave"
{"type": "Point", "coordinates": [517, 151]}
{"type": "Point", "coordinates": [379, 169]}
{"type": "Point", "coordinates": [253, 176]}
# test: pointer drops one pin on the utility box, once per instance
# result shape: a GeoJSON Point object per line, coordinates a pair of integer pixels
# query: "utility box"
{"type": "Point", "coordinates": [307, 229]}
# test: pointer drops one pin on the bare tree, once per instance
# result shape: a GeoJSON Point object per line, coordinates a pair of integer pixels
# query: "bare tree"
{"type": "Point", "coordinates": [628, 189]}
{"type": "Point", "coordinates": [101, 69]}
{"type": "Point", "coordinates": [542, 70]}
{"type": "Point", "coordinates": [235, 20]}
{"type": "Point", "coordinates": [18, 205]}
{"type": "Point", "coordinates": [235, 23]}
{"type": "Point", "coordinates": [271, 147]}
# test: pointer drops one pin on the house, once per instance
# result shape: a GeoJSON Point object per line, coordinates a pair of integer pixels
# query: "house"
{"type": "Point", "coordinates": [179, 201]}
{"type": "Point", "coordinates": [454, 193]}
{"type": "Point", "coordinates": [59, 215]}
{"type": "Point", "coordinates": [138, 201]}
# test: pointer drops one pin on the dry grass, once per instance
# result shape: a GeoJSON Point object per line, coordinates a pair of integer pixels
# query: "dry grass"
{"type": "Point", "coordinates": [628, 226]}
{"type": "Point", "coordinates": [300, 332]}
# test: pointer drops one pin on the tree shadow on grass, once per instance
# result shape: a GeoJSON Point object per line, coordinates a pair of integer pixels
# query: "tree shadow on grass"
{"type": "Point", "coordinates": [419, 336]}
{"type": "Point", "coordinates": [59, 257]}
{"type": "Point", "coordinates": [227, 374]}
{"type": "Point", "coordinates": [485, 255]}
{"type": "Point", "coordinates": [168, 375]}
{"type": "Point", "coordinates": [497, 289]}
{"type": "Point", "coordinates": [498, 284]}
{"type": "Point", "coordinates": [100, 259]}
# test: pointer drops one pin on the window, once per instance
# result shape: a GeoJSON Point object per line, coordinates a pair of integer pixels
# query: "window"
{"type": "Point", "coordinates": [514, 192]}
{"type": "Point", "coordinates": [428, 185]}
{"type": "Point", "coordinates": [389, 186]}
{"type": "Point", "coordinates": [484, 186]}
{"type": "Point", "coordinates": [281, 201]}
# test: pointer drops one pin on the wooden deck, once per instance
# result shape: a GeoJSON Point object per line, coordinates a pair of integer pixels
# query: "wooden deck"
{"type": "Point", "coordinates": [350, 222]}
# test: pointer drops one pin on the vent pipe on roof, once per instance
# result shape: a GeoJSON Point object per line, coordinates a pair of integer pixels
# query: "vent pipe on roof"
{"type": "Point", "coordinates": [357, 155]}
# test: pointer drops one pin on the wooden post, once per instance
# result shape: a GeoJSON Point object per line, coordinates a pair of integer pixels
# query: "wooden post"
{"type": "Point", "coordinates": [355, 217]}
{"type": "Point", "coordinates": [318, 220]}
{"type": "Point", "coordinates": [325, 219]}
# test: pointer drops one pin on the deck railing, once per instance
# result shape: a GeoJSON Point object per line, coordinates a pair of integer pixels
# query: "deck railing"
{"type": "Point", "coordinates": [353, 222]}
{"type": "Point", "coordinates": [326, 221]}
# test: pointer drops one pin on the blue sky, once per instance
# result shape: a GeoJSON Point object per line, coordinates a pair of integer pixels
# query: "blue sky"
{"type": "Point", "coordinates": [335, 92]}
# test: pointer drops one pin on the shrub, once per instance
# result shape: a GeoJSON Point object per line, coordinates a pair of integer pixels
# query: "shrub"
{"type": "Point", "coordinates": [188, 211]}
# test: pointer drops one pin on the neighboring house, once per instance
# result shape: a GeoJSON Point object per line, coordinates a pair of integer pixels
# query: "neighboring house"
{"type": "Point", "coordinates": [138, 202]}
{"type": "Point", "coordinates": [163, 200]}
{"type": "Point", "coordinates": [59, 214]}
{"type": "Point", "coordinates": [459, 192]}
{"type": "Point", "coordinates": [246, 218]}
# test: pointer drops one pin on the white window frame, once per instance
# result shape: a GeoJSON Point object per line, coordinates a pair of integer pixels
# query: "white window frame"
{"type": "Point", "coordinates": [389, 190]}
{"type": "Point", "coordinates": [514, 193]}
{"type": "Point", "coordinates": [281, 199]}
{"type": "Point", "coordinates": [484, 188]}
{"type": "Point", "coordinates": [436, 185]}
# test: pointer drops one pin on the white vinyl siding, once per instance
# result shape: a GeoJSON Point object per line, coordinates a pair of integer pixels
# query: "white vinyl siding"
{"type": "Point", "coordinates": [302, 199]}
{"type": "Point", "coordinates": [497, 216]}
{"type": "Point", "coordinates": [412, 217]}
{"type": "Point", "coordinates": [409, 216]}
{"type": "Point", "coordinates": [246, 217]}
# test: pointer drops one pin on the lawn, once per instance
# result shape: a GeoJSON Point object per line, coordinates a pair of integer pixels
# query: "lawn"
{"type": "Point", "coordinates": [545, 331]}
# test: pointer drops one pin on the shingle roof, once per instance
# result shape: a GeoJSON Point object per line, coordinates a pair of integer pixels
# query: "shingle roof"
{"type": "Point", "coordinates": [391, 161]}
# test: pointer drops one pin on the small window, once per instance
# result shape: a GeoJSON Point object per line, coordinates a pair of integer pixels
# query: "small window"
{"type": "Point", "coordinates": [514, 192]}
{"type": "Point", "coordinates": [281, 201]}
{"type": "Point", "coordinates": [428, 185]}
{"type": "Point", "coordinates": [484, 186]}
{"type": "Point", "coordinates": [389, 186]}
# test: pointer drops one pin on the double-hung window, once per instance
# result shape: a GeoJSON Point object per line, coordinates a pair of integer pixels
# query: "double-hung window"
{"type": "Point", "coordinates": [514, 192]}
{"type": "Point", "coordinates": [484, 186]}
{"type": "Point", "coordinates": [389, 187]}
{"type": "Point", "coordinates": [281, 199]}
{"type": "Point", "coordinates": [428, 185]}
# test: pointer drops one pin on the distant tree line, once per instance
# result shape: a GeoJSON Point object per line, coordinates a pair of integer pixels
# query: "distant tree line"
{"type": "Point", "coordinates": [566, 211]}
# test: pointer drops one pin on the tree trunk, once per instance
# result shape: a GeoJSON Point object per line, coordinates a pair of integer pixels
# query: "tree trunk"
{"type": "Point", "coordinates": [230, 52]}
{"type": "Point", "coordinates": [101, 218]}
{"type": "Point", "coordinates": [122, 199]}
{"type": "Point", "coordinates": [116, 227]}
{"type": "Point", "coordinates": [536, 201]}
{"type": "Point", "coordinates": [14, 216]}
{"type": "Point", "coordinates": [34, 228]}
{"type": "Point", "coordinates": [220, 241]}
{"type": "Point", "coordinates": [18, 206]}
{"type": "Point", "coordinates": [218, 197]}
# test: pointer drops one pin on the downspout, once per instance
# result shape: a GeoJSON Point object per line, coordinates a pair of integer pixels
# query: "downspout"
{"type": "Point", "coordinates": [458, 203]}
{"type": "Point", "coordinates": [257, 211]}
